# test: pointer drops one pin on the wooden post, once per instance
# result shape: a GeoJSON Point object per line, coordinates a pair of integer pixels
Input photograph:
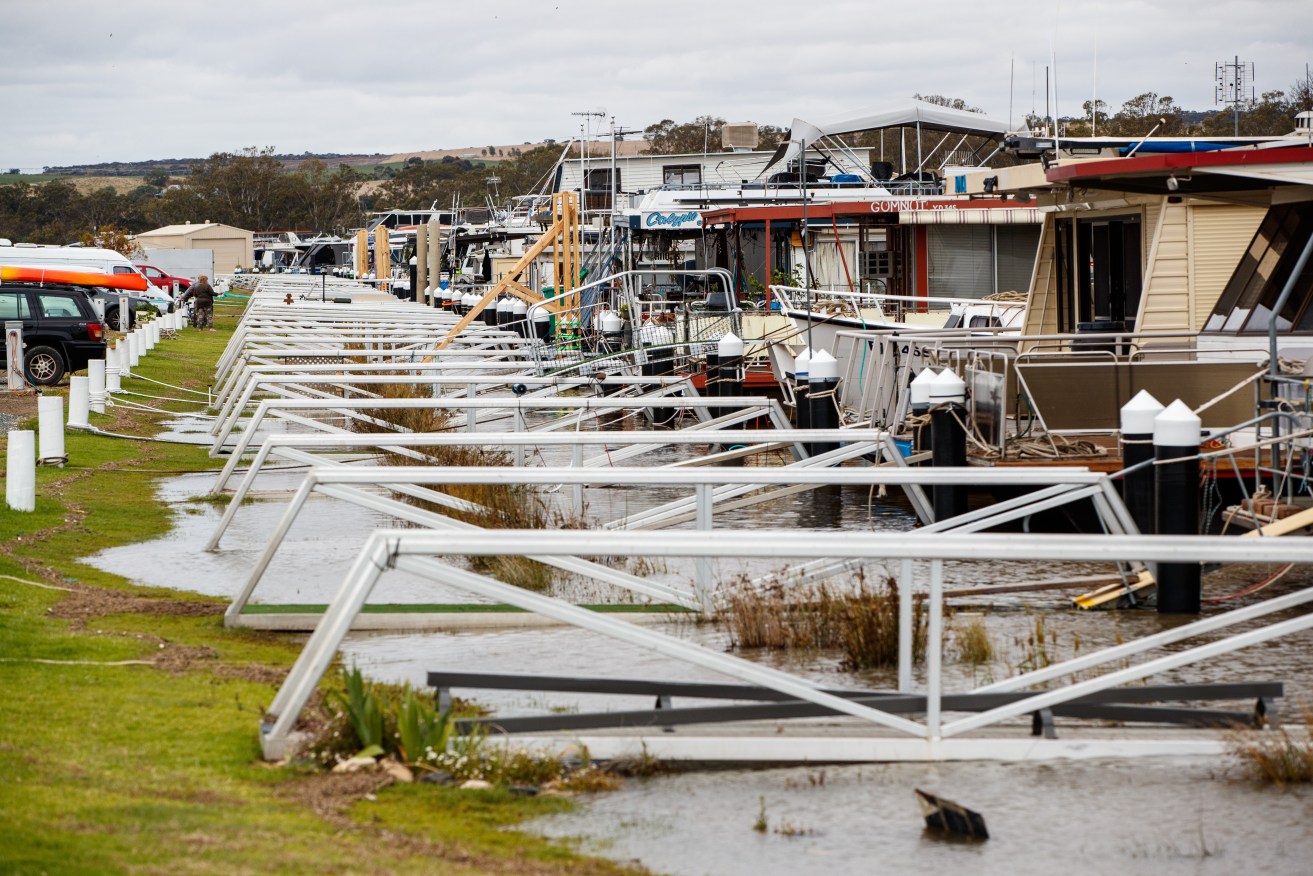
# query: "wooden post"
{"type": "Point", "coordinates": [362, 253]}
{"type": "Point", "coordinates": [382, 257]}
{"type": "Point", "coordinates": [421, 263]}
{"type": "Point", "coordinates": [511, 283]}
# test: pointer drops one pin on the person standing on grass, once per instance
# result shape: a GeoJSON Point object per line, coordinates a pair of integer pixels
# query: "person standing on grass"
{"type": "Point", "coordinates": [203, 293]}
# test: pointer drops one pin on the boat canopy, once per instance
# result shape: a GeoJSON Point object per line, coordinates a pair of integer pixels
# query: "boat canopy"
{"type": "Point", "coordinates": [916, 113]}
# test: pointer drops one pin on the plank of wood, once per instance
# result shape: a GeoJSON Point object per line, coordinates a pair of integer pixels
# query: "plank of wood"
{"type": "Point", "coordinates": [1284, 526]}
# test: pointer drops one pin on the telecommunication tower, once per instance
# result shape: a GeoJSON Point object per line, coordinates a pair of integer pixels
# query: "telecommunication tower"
{"type": "Point", "coordinates": [1234, 86]}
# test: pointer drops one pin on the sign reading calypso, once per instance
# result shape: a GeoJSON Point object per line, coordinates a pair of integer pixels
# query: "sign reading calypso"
{"type": "Point", "coordinates": [690, 219]}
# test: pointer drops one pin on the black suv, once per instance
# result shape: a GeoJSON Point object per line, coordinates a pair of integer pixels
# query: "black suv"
{"type": "Point", "coordinates": [61, 331]}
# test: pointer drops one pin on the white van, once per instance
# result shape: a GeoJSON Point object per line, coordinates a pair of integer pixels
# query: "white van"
{"type": "Point", "coordinates": [104, 261]}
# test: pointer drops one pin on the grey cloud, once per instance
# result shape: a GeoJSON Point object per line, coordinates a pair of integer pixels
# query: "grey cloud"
{"type": "Point", "coordinates": [406, 75]}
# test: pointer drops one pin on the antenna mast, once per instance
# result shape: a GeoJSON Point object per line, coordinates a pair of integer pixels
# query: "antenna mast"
{"type": "Point", "coordinates": [1234, 85]}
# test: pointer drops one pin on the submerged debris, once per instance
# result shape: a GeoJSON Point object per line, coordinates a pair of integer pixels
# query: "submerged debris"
{"type": "Point", "coordinates": [949, 817]}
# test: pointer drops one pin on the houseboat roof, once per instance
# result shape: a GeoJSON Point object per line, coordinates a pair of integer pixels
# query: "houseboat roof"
{"type": "Point", "coordinates": [894, 211]}
{"type": "Point", "coordinates": [1231, 170]}
{"type": "Point", "coordinates": [916, 113]}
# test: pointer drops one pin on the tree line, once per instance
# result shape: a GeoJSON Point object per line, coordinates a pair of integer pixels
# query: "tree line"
{"type": "Point", "coordinates": [1272, 115]}
{"type": "Point", "coordinates": [248, 189]}
{"type": "Point", "coordinates": [252, 189]}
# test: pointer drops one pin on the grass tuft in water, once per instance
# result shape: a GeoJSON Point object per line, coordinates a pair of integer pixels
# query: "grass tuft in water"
{"type": "Point", "coordinates": [1276, 756]}
{"type": "Point", "coordinates": [861, 621]}
{"type": "Point", "coordinates": [972, 643]}
{"type": "Point", "coordinates": [1038, 646]}
{"type": "Point", "coordinates": [500, 506]}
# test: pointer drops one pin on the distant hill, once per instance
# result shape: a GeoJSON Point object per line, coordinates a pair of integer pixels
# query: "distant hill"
{"type": "Point", "coordinates": [181, 166]}
{"type": "Point", "coordinates": [504, 153]}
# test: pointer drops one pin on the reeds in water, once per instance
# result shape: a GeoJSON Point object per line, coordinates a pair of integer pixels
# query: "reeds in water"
{"type": "Point", "coordinates": [972, 642]}
{"type": "Point", "coordinates": [502, 506]}
{"type": "Point", "coordinates": [860, 621]}
{"type": "Point", "coordinates": [1278, 756]}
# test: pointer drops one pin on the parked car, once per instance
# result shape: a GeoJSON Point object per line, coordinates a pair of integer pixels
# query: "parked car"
{"type": "Point", "coordinates": [162, 280]}
{"type": "Point", "coordinates": [109, 299]}
{"type": "Point", "coordinates": [61, 331]}
{"type": "Point", "coordinates": [65, 260]}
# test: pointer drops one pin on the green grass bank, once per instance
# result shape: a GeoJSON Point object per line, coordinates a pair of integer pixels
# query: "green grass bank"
{"type": "Point", "coordinates": [128, 725]}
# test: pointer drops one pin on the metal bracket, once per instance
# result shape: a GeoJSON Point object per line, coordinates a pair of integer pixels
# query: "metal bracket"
{"type": "Point", "coordinates": [1041, 724]}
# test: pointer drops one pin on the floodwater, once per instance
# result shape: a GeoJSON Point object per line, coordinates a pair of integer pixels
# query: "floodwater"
{"type": "Point", "coordinates": [1183, 816]}
{"type": "Point", "coordinates": [1166, 816]}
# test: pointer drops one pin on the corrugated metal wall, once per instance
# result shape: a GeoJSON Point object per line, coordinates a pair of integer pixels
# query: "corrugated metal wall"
{"type": "Point", "coordinates": [1219, 237]}
{"type": "Point", "coordinates": [1166, 302]}
{"type": "Point", "coordinates": [1195, 251]}
{"type": "Point", "coordinates": [1041, 309]}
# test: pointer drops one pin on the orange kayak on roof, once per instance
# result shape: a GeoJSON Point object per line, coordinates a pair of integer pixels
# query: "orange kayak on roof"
{"type": "Point", "coordinates": [20, 274]}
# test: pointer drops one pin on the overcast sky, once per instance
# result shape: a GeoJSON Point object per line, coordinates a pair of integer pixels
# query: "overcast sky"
{"type": "Point", "coordinates": [84, 82]}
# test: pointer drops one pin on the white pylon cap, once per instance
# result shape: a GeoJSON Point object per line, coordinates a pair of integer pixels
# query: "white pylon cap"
{"type": "Point", "coordinates": [823, 367]}
{"type": "Point", "coordinates": [1177, 426]}
{"type": "Point", "coordinates": [920, 387]}
{"type": "Point", "coordinates": [730, 347]}
{"type": "Point", "coordinates": [803, 363]}
{"type": "Point", "coordinates": [947, 387]}
{"type": "Point", "coordinates": [1138, 413]}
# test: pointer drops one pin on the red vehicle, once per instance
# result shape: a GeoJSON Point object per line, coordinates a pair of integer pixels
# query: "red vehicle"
{"type": "Point", "coordinates": [163, 280]}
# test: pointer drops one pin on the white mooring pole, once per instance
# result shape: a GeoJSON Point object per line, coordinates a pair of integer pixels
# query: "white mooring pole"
{"type": "Point", "coordinates": [20, 471]}
{"type": "Point", "coordinates": [79, 402]}
{"type": "Point", "coordinates": [50, 415]}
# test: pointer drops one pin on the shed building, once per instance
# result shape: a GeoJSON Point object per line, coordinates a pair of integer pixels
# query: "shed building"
{"type": "Point", "coordinates": [232, 247]}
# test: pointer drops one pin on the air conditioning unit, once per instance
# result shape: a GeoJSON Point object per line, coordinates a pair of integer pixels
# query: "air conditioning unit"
{"type": "Point", "coordinates": [739, 136]}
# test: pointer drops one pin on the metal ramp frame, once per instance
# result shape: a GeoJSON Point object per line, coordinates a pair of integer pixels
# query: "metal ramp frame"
{"type": "Point", "coordinates": [932, 738]}
{"type": "Point", "coordinates": [1121, 704]}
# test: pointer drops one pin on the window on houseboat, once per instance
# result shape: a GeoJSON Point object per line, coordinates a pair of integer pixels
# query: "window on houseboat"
{"type": "Point", "coordinates": [1100, 271]}
{"type": "Point", "coordinates": [972, 261]}
{"type": "Point", "coordinates": [1247, 302]}
{"type": "Point", "coordinates": [682, 174]}
{"type": "Point", "coordinates": [599, 188]}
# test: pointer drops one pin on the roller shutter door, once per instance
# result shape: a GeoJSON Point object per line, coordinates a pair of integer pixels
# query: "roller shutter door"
{"type": "Point", "coordinates": [961, 261]}
{"type": "Point", "coordinates": [1016, 245]}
